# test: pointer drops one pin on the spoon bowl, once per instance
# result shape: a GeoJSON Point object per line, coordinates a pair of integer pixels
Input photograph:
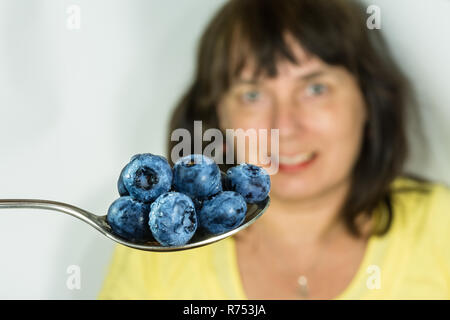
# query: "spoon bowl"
{"type": "Point", "coordinates": [254, 211]}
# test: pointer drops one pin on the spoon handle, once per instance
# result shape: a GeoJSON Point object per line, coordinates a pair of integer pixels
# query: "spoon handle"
{"type": "Point", "coordinates": [90, 218]}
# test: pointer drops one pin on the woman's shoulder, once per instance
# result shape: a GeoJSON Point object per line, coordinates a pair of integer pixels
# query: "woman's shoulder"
{"type": "Point", "coordinates": [136, 274]}
{"type": "Point", "coordinates": [420, 193]}
{"type": "Point", "coordinates": [421, 207]}
{"type": "Point", "coordinates": [173, 262]}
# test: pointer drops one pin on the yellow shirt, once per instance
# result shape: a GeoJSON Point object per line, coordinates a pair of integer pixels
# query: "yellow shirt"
{"type": "Point", "coordinates": [412, 261]}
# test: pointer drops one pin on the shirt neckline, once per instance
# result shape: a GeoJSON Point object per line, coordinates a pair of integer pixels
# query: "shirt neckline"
{"type": "Point", "coordinates": [356, 281]}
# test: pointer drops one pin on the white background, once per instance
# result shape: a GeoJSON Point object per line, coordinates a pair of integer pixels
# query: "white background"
{"type": "Point", "coordinates": [75, 105]}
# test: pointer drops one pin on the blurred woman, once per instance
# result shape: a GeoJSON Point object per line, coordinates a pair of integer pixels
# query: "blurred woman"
{"type": "Point", "coordinates": [345, 222]}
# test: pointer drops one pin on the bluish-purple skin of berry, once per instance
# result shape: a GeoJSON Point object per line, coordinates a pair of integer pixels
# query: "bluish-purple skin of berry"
{"type": "Point", "coordinates": [172, 219]}
{"type": "Point", "coordinates": [120, 185]}
{"type": "Point", "coordinates": [197, 176]}
{"type": "Point", "coordinates": [223, 212]}
{"type": "Point", "coordinates": [128, 218]}
{"type": "Point", "coordinates": [147, 176]}
{"type": "Point", "coordinates": [250, 181]}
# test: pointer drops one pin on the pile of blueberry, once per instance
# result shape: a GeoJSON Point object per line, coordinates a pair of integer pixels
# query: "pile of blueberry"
{"type": "Point", "coordinates": [169, 205]}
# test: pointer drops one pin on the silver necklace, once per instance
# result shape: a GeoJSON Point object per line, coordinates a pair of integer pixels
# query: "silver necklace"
{"type": "Point", "coordinates": [303, 286]}
{"type": "Point", "coordinates": [302, 280]}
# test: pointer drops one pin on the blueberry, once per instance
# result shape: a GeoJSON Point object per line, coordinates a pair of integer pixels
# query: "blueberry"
{"type": "Point", "coordinates": [172, 219]}
{"type": "Point", "coordinates": [147, 176]}
{"type": "Point", "coordinates": [251, 181]}
{"type": "Point", "coordinates": [129, 219]}
{"type": "Point", "coordinates": [197, 176]}
{"type": "Point", "coordinates": [120, 185]}
{"type": "Point", "coordinates": [224, 212]}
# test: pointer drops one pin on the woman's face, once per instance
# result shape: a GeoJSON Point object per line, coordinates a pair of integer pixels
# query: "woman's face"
{"type": "Point", "coordinates": [320, 113]}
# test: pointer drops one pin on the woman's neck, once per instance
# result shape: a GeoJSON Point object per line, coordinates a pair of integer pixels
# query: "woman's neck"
{"type": "Point", "coordinates": [304, 222]}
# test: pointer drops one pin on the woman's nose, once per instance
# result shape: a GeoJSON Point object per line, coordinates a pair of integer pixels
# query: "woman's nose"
{"type": "Point", "coordinates": [285, 120]}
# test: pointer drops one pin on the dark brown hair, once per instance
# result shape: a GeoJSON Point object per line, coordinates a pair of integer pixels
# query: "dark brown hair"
{"type": "Point", "coordinates": [336, 32]}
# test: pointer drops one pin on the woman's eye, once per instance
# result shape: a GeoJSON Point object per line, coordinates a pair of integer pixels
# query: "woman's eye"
{"type": "Point", "coordinates": [316, 89]}
{"type": "Point", "coordinates": [251, 96]}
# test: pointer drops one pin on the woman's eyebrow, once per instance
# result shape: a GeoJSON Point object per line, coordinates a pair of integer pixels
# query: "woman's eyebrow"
{"type": "Point", "coordinates": [303, 77]}
{"type": "Point", "coordinates": [246, 81]}
{"type": "Point", "coordinates": [311, 75]}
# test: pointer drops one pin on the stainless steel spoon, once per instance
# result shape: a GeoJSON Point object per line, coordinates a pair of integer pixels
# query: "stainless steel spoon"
{"type": "Point", "coordinates": [254, 211]}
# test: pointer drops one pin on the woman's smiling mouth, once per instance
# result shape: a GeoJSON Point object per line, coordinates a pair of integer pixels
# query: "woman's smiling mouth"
{"type": "Point", "coordinates": [296, 162]}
